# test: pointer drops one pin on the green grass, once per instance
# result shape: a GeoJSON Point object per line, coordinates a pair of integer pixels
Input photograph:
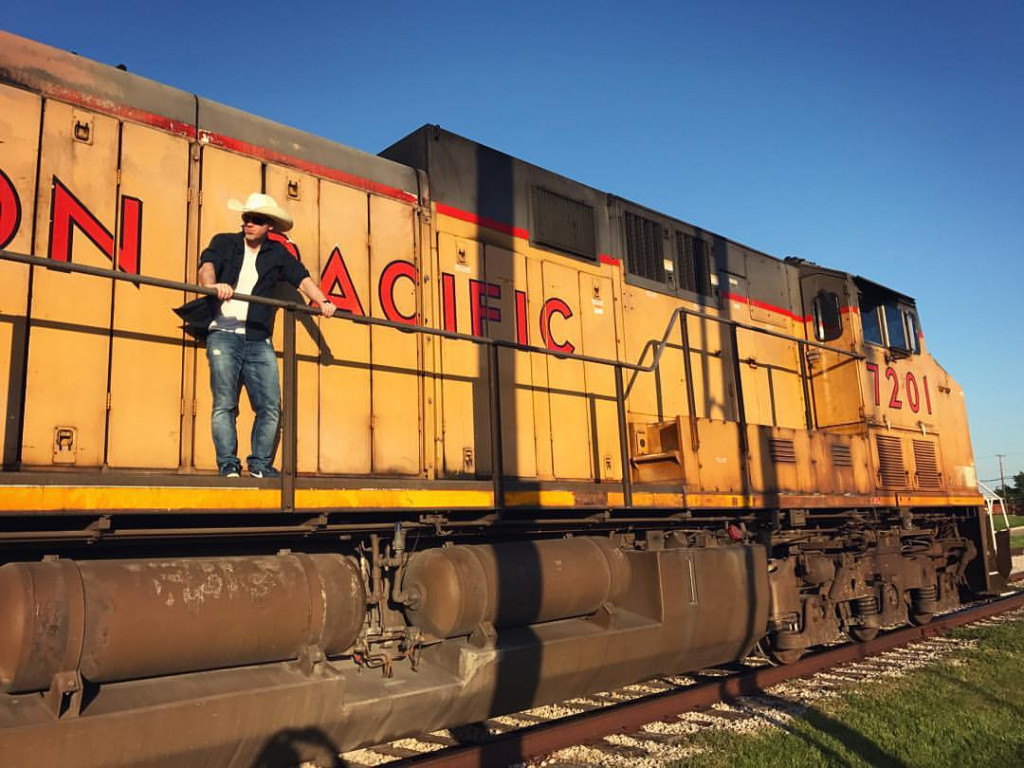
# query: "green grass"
{"type": "Point", "coordinates": [965, 710]}
{"type": "Point", "coordinates": [1015, 521]}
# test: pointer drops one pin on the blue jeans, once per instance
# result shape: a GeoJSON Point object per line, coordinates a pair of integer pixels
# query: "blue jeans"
{"type": "Point", "coordinates": [234, 361]}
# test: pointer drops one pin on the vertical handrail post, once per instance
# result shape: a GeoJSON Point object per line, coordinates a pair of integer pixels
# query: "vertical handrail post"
{"type": "Point", "coordinates": [741, 406]}
{"type": "Point", "coordinates": [497, 459]}
{"type": "Point", "coordinates": [289, 430]}
{"type": "Point", "coordinates": [620, 407]}
{"type": "Point", "coordinates": [804, 376]}
{"type": "Point", "coordinates": [691, 398]}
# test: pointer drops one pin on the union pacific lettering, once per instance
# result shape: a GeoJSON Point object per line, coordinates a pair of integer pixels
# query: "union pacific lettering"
{"type": "Point", "coordinates": [485, 302]}
{"type": "Point", "coordinates": [69, 215]}
{"type": "Point", "coordinates": [10, 210]}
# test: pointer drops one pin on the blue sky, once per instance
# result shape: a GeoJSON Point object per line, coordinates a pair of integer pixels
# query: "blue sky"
{"type": "Point", "coordinates": [876, 137]}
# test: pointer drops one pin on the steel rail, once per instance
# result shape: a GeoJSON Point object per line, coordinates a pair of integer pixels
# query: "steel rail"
{"type": "Point", "coordinates": [534, 742]}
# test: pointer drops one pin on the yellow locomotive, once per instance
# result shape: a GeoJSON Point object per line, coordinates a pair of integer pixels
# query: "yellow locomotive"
{"type": "Point", "coordinates": [554, 442]}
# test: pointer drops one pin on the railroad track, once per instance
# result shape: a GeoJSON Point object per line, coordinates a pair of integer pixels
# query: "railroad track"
{"type": "Point", "coordinates": [658, 716]}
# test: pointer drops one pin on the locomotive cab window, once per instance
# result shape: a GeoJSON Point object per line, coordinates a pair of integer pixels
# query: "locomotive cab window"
{"type": "Point", "coordinates": [896, 329]}
{"type": "Point", "coordinates": [901, 327]}
{"type": "Point", "coordinates": [870, 322]}
{"type": "Point", "coordinates": [889, 320]}
{"type": "Point", "coordinates": [828, 319]}
{"type": "Point", "coordinates": [913, 333]}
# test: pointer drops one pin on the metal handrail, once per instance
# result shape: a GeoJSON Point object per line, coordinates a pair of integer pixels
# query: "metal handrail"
{"type": "Point", "coordinates": [63, 266]}
{"type": "Point", "coordinates": [991, 497]}
{"type": "Point", "coordinates": [621, 393]}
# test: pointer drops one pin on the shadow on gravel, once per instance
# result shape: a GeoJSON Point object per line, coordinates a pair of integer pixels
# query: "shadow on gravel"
{"type": "Point", "coordinates": [470, 735]}
{"type": "Point", "coordinates": [294, 746]}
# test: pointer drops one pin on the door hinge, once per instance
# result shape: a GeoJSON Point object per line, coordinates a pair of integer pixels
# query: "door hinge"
{"type": "Point", "coordinates": [108, 401]}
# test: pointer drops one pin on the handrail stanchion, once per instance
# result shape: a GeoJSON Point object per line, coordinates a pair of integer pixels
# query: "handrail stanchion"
{"type": "Point", "coordinates": [289, 431]}
{"type": "Point", "coordinates": [497, 460]}
{"type": "Point", "coordinates": [801, 351]}
{"type": "Point", "coordinates": [691, 397]}
{"type": "Point", "coordinates": [741, 406]}
{"type": "Point", "coordinates": [620, 406]}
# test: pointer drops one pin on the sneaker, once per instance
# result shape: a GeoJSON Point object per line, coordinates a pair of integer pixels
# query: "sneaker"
{"type": "Point", "coordinates": [265, 472]}
{"type": "Point", "coordinates": [229, 470]}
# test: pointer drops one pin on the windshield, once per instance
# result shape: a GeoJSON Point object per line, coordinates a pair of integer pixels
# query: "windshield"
{"type": "Point", "coordinates": [888, 320]}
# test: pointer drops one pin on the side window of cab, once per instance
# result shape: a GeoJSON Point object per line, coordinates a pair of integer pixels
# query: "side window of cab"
{"type": "Point", "coordinates": [913, 333]}
{"type": "Point", "coordinates": [827, 315]}
{"type": "Point", "coordinates": [902, 334]}
{"type": "Point", "coordinates": [890, 322]}
{"type": "Point", "coordinates": [871, 322]}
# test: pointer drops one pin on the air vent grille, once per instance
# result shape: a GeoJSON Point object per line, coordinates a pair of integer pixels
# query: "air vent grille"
{"type": "Point", "coordinates": [694, 257]}
{"type": "Point", "coordinates": [644, 251]}
{"type": "Point", "coordinates": [563, 223]}
{"type": "Point", "coordinates": [890, 462]}
{"type": "Point", "coordinates": [927, 465]}
{"type": "Point", "coordinates": [782, 451]}
{"type": "Point", "coordinates": [841, 456]}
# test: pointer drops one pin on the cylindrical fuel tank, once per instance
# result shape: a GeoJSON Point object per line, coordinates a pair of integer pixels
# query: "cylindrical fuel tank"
{"type": "Point", "coordinates": [454, 589]}
{"type": "Point", "coordinates": [124, 619]}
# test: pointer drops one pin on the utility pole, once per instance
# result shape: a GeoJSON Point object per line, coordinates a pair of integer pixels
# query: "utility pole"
{"type": "Point", "coordinates": [1002, 480]}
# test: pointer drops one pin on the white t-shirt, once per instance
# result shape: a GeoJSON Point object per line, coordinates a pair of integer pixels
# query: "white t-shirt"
{"type": "Point", "coordinates": [232, 314]}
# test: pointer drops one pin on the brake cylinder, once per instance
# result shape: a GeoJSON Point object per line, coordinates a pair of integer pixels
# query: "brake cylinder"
{"type": "Point", "coordinates": [450, 591]}
{"type": "Point", "coordinates": [125, 619]}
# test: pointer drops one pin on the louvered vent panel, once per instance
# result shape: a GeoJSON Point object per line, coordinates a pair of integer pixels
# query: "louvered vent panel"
{"type": "Point", "coordinates": [694, 258]}
{"type": "Point", "coordinates": [563, 223]}
{"type": "Point", "coordinates": [890, 461]}
{"type": "Point", "coordinates": [684, 257]}
{"type": "Point", "coordinates": [644, 250]}
{"type": "Point", "coordinates": [841, 456]}
{"type": "Point", "coordinates": [927, 465]}
{"type": "Point", "coordinates": [782, 451]}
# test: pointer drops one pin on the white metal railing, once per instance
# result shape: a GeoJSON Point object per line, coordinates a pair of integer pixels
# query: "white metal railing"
{"type": "Point", "coordinates": [991, 499]}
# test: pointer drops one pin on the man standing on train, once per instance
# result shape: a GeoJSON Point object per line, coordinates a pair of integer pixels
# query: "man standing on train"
{"type": "Point", "coordinates": [239, 346]}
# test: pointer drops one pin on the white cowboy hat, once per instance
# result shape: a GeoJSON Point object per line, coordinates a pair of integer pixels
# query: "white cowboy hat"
{"type": "Point", "coordinates": [267, 206]}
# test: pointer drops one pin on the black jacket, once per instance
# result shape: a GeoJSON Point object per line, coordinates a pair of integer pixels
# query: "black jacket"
{"type": "Point", "coordinates": [273, 263]}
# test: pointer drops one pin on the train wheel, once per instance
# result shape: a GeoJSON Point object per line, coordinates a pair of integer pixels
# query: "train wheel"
{"type": "Point", "coordinates": [923, 604]}
{"type": "Point", "coordinates": [863, 634]}
{"type": "Point", "coordinates": [779, 658]}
